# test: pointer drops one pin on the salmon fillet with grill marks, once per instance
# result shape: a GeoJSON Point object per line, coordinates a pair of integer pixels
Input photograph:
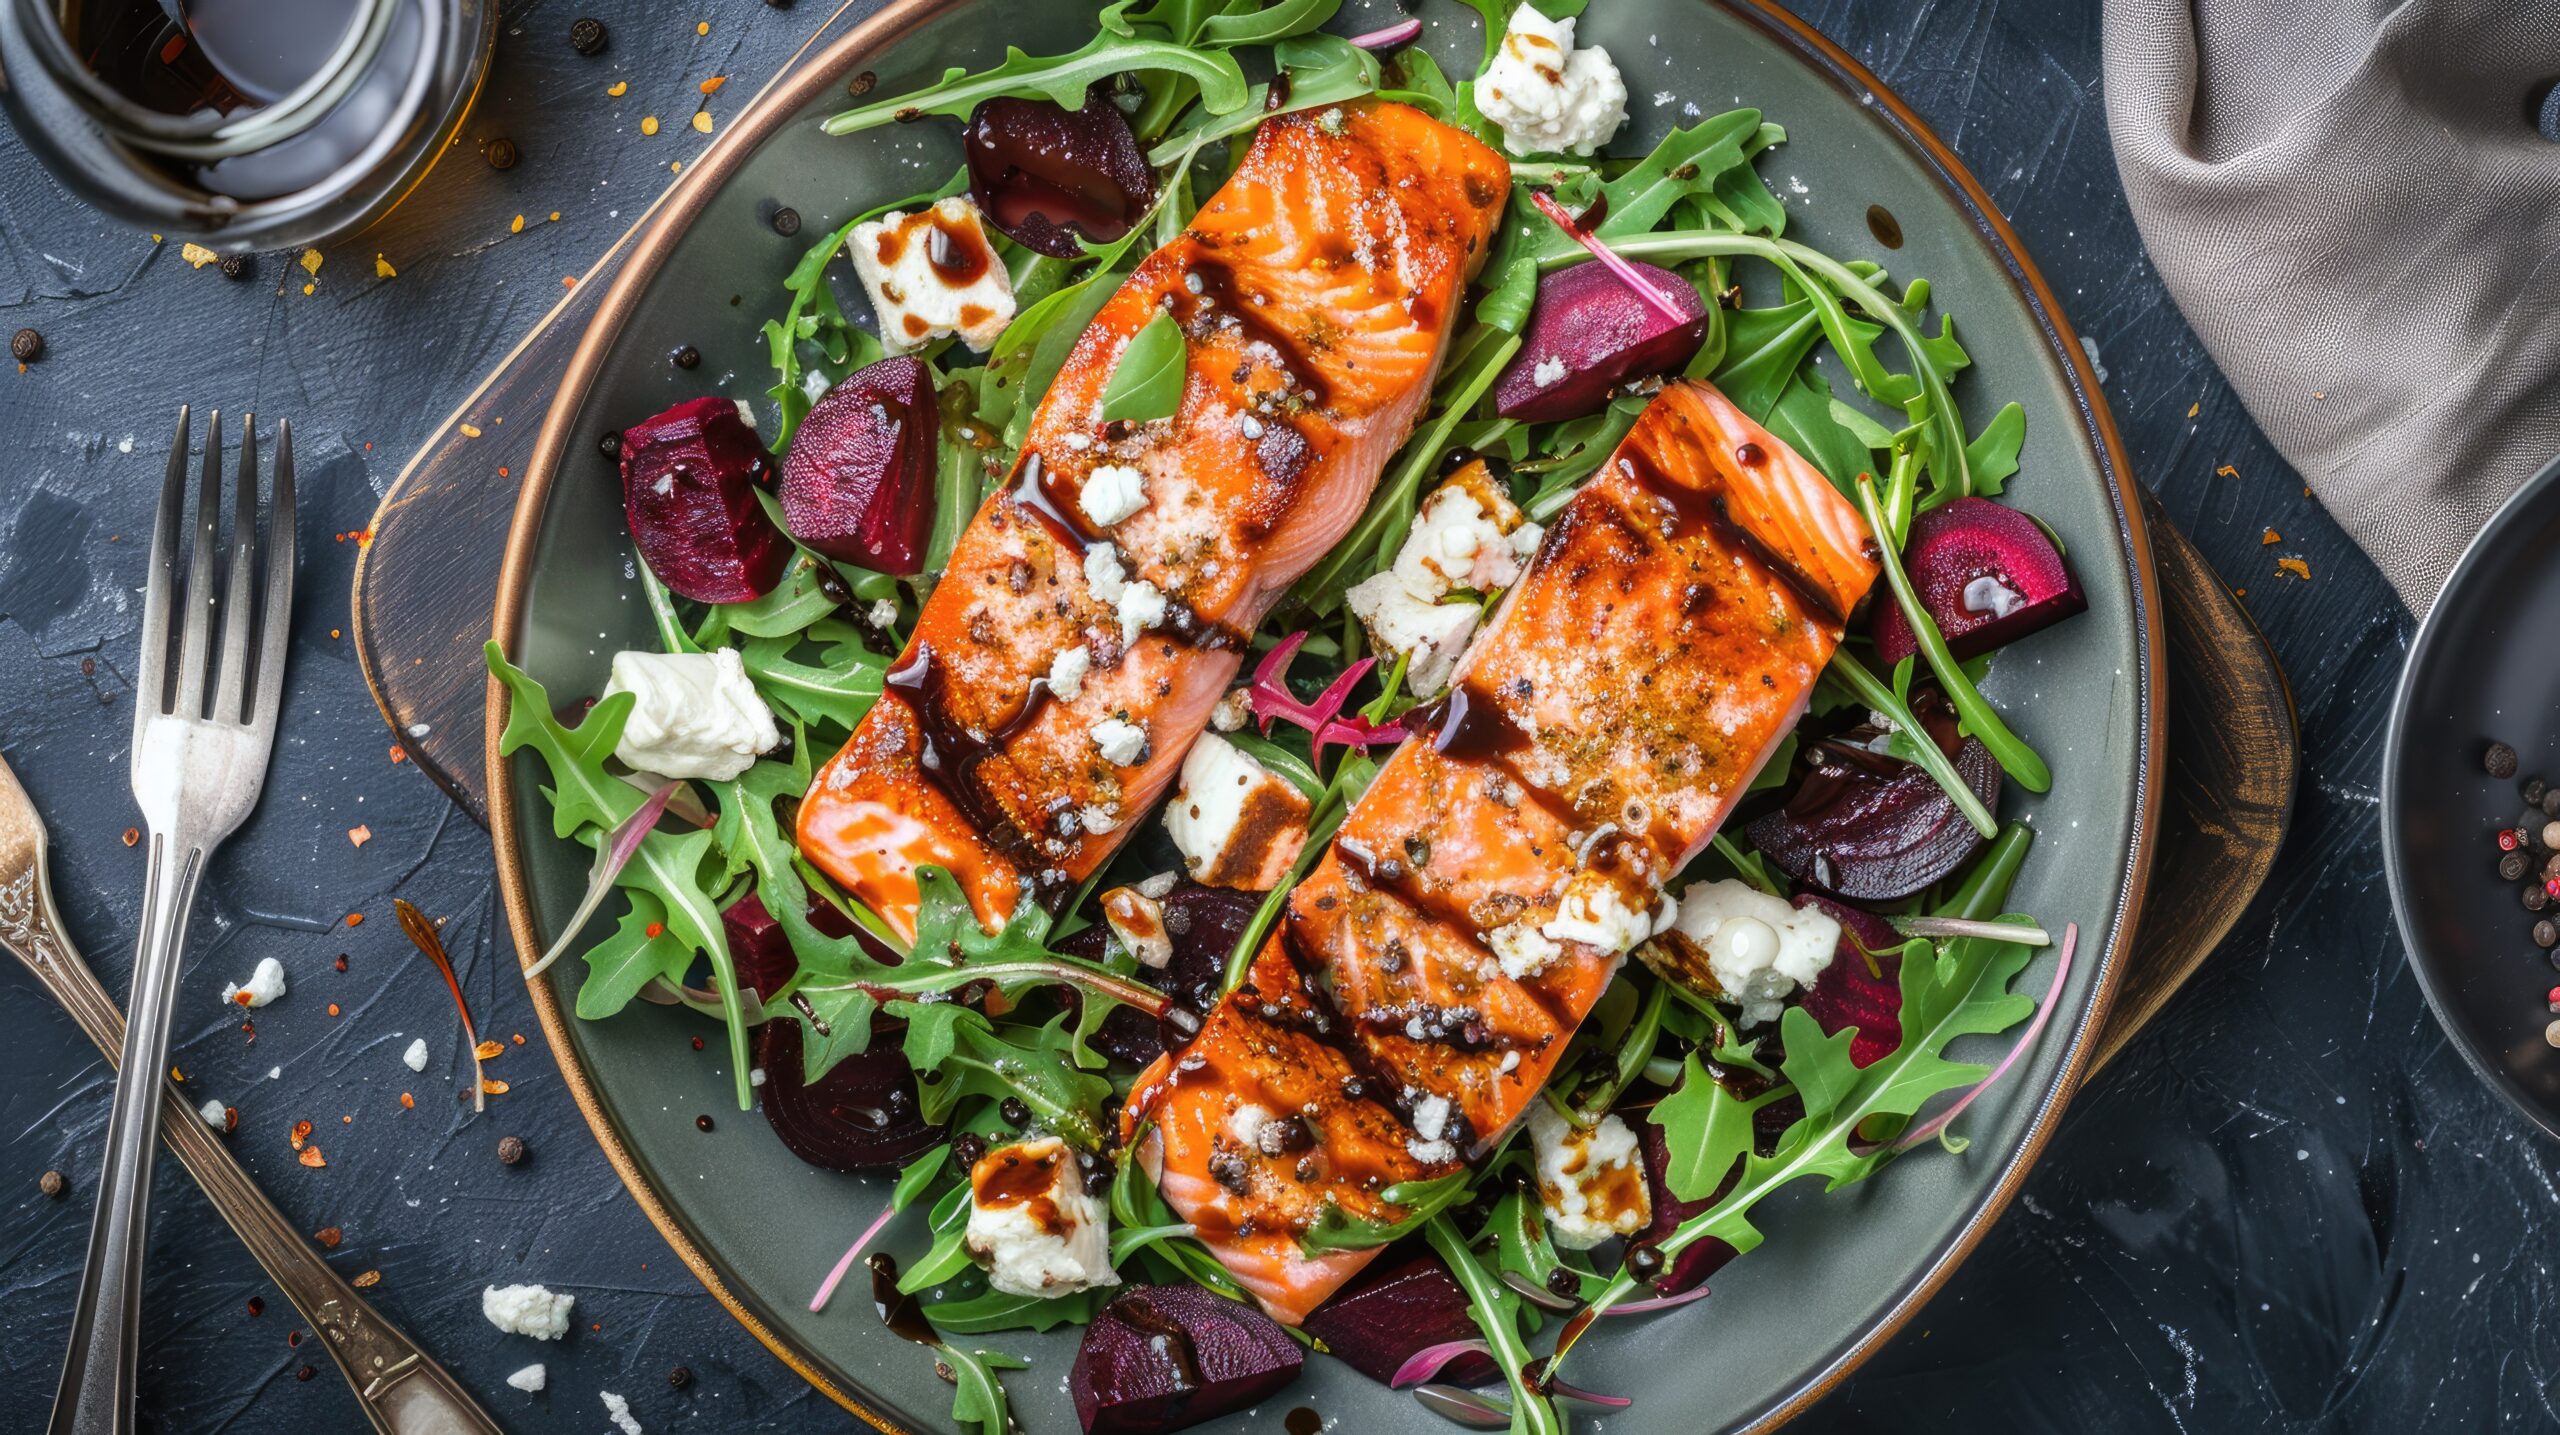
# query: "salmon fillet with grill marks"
{"type": "Point", "coordinates": [1316, 291]}
{"type": "Point", "coordinates": [1483, 892]}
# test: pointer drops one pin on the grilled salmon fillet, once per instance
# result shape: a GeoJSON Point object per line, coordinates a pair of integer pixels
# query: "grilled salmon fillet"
{"type": "Point", "coordinates": [1316, 291]}
{"type": "Point", "coordinates": [1479, 898]}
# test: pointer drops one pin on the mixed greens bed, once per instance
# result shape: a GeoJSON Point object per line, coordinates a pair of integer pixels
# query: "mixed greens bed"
{"type": "Point", "coordinates": [918, 1057]}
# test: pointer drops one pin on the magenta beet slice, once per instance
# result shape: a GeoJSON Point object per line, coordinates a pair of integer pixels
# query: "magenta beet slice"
{"type": "Point", "coordinates": [1161, 1358]}
{"type": "Point", "coordinates": [1590, 332]}
{"type": "Point", "coordinates": [858, 481]}
{"type": "Point", "coordinates": [1046, 174]}
{"type": "Point", "coordinates": [1850, 995]}
{"type": "Point", "coordinates": [1391, 1313]}
{"type": "Point", "coordinates": [1868, 827]}
{"type": "Point", "coordinates": [860, 1116]}
{"type": "Point", "coordinates": [689, 478]}
{"type": "Point", "coordinates": [1988, 575]}
{"type": "Point", "coordinates": [1205, 923]}
{"type": "Point", "coordinates": [1699, 1259]}
{"type": "Point", "coordinates": [758, 948]}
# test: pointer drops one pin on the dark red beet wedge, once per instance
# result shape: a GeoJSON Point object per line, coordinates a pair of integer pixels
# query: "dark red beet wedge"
{"type": "Point", "coordinates": [1045, 174]}
{"type": "Point", "coordinates": [860, 1116]}
{"type": "Point", "coordinates": [1868, 827]}
{"type": "Point", "coordinates": [757, 946]}
{"type": "Point", "coordinates": [1987, 574]}
{"type": "Point", "coordinates": [1390, 1313]}
{"type": "Point", "coordinates": [1589, 333]}
{"type": "Point", "coordinates": [1204, 923]}
{"type": "Point", "coordinates": [858, 481]}
{"type": "Point", "coordinates": [1700, 1259]}
{"type": "Point", "coordinates": [1849, 994]}
{"type": "Point", "coordinates": [689, 478]}
{"type": "Point", "coordinates": [1162, 1358]}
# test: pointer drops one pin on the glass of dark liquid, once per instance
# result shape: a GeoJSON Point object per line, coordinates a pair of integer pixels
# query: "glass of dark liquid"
{"type": "Point", "coordinates": [242, 124]}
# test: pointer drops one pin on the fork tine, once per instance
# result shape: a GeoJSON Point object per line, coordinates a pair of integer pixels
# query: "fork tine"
{"type": "Point", "coordinates": [151, 671]}
{"type": "Point", "coordinates": [234, 681]}
{"type": "Point", "coordinates": [276, 617]}
{"type": "Point", "coordinates": [195, 654]}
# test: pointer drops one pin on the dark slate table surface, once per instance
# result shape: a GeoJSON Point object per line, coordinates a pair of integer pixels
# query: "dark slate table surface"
{"type": "Point", "coordinates": [2288, 1206]}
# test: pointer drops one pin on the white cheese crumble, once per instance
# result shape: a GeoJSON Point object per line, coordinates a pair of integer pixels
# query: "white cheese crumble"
{"type": "Point", "coordinates": [1138, 921]}
{"type": "Point", "coordinates": [1141, 606]}
{"type": "Point", "coordinates": [1550, 370]}
{"type": "Point", "coordinates": [1547, 96]}
{"type": "Point", "coordinates": [1111, 493]}
{"type": "Point", "coordinates": [916, 301]}
{"type": "Point", "coordinates": [1121, 743]}
{"type": "Point", "coordinates": [618, 1410]}
{"type": "Point", "coordinates": [1245, 1123]}
{"type": "Point", "coordinates": [213, 1115]}
{"type": "Point", "coordinates": [1233, 710]}
{"type": "Point", "coordinates": [1591, 1182]}
{"type": "Point", "coordinates": [530, 1379]}
{"type": "Point", "coordinates": [692, 714]}
{"type": "Point", "coordinates": [1097, 819]}
{"type": "Point", "coordinates": [527, 1310]}
{"type": "Point", "coordinates": [415, 1058]}
{"type": "Point", "coordinates": [1158, 886]}
{"type": "Point", "coordinates": [1429, 633]}
{"type": "Point", "coordinates": [1523, 950]}
{"type": "Point", "coordinates": [1037, 1233]}
{"type": "Point", "coordinates": [1759, 948]}
{"type": "Point", "coordinates": [264, 985]}
{"type": "Point", "coordinates": [1104, 578]}
{"type": "Point", "coordinates": [1236, 823]}
{"type": "Point", "coordinates": [1594, 914]}
{"type": "Point", "coordinates": [884, 613]}
{"type": "Point", "coordinates": [1987, 594]}
{"type": "Point", "coordinates": [1067, 670]}
{"type": "Point", "coordinates": [1467, 535]}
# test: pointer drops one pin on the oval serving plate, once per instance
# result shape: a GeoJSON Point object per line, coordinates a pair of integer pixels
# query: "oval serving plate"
{"type": "Point", "coordinates": [1839, 1273]}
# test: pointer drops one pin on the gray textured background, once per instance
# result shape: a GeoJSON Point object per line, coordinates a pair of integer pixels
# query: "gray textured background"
{"type": "Point", "coordinates": [2288, 1207]}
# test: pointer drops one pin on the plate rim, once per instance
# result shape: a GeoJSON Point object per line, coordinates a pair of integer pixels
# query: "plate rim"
{"type": "Point", "coordinates": [2396, 876]}
{"type": "Point", "coordinates": [783, 98]}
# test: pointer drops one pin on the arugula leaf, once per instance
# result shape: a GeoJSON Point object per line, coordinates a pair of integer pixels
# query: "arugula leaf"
{"type": "Point", "coordinates": [1146, 383]}
{"type": "Point", "coordinates": [1807, 417]}
{"type": "Point", "coordinates": [1335, 1230]}
{"type": "Point", "coordinates": [1994, 456]}
{"type": "Point", "coordinates": [1274, 22]}
{"type": "Point", "coordinates": [838, 689]}
{"type": "Point", "coordinates": [620, 965]}
{"type": "Point", "coordinates": [977, 1399]}
{"type": "Point", "coordinates": [1707, 1129]}
{"type": "Point", "coordinates": [991, 1310]}
{"type": "Point", "coordinates": [958, 1053]}
{"type": "Point", "coordinates": [1137, 1205]}
{"type": "Point", "coordinates": [798, 601]}
{"type": "Point", "coordinates": [1061, 78]}
{"type": "Point", "coordinates": [1496, 1311]}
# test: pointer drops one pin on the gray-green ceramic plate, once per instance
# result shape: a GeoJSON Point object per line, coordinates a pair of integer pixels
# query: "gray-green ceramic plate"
{"type": "Point", "coordinates": [1839, 1273]}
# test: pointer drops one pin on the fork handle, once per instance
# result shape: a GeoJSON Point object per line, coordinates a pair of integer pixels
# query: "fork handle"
{"type": "Point", "coordinates": [402, 1390]}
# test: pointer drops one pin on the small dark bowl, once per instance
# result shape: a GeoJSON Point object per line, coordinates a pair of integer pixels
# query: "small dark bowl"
{"type": "Point", "coordinates": [2480, 670]}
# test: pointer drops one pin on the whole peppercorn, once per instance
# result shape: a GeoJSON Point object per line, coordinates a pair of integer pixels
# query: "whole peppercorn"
{"type": "Point", "coordinates": [2550, 803]}
{"type": "Point", "coordinates": [2551, 835]}
{"type": "Point", "coordinates": [501, 154]}
{"type": "Point", "coordinates": [686, 357]}
{"type": "Point", "coordinates": [1644, 1260]}
{"type": "Point", "coordinates": [2535, 899]}
{"type": "Point", "coordinates": [2511, 867]}
{"type": "Point", "coordinates": [587, 37]}
{"type": "Point", "coordinates": [968, 1148]}
{"type": "Point", "coordinates": [53, 1185]}
{"type": "Point", "coordinates": [611, 444]}
{"type": "Point", "coordinates": [680, 1377]}
{"type": "Point", "coordinates": [26, 346]}
{"type": "Point", "coordinates": [1563, 1282]}
{"type": "Point", "coordinates": [2546, 934]}
{"type": "Point", "coordinates": [239, 266]}
{"type": "Point", "coordinates": [510, 1150]}
{"type": "Point", "coordinates": [1016, 1114]}
{"type": "Point", "coordinates": [2534, 789]}
{"type": "Point", "coordinates": [786, 221]}
{"type": "Point", "coordinates": [702, 1123]}
{"type": "Point", "coordinates": [2500, 760]}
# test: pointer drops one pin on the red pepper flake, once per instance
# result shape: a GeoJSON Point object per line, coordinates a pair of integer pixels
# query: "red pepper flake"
{"type": "Point", "coordinates": [2551, 885]}
{"type": "Point", "coordinates": [230, 1119]}
{"type": "Point", "coordinates": [494, 1087]}
{"type": "Point", "coordinates": [249, 1029]}
{"type": "Point", "coordinates": [367, 1281]}
{"type": "Point", "coordinates": [257, 1306]}
{"type": "Point", "coordinates": [342, 961]}
{"type": "Point", "coordinates": [697, 1043]}
{"type": "Point", "coordinates": [2506, 839]}
{"type": "Point", "coordinates": [654, 930]}
{"type": "Point", "coordinates": [518, 1038]}
{"type": "Point", "coordinates": [2295, 566]}
{"type": "Point", "coordinates": [408, 1102]}
{"type": "Point", "coordinates": [328, 1237]}
{"type": "Point", "coordinates": [2270, 538]}
{"type": "Point", "coordinates": [333, 1008]}
{"type": "Point", "coordinates": [2226, 471]}
{"type": "Point", "coordinates": [399, 753]}
{"type": "Point", "coordinates": [305, 1373]}
{"type": "Point", "coordinates": [360, 834]}
{"type": "Point", "coordinates": [355, 919]}
{"type": "Point", "coordinates": [486, 1050]}
{"type": "Point", "coordinates": [712, 86]}
{"type": "Point", "coordinates": [301, 1133]}
{"type": "Point", "coordinates": [132, 835]}
{"type": "Point", "coordinates": [502, 470]}
{"type": "Point", "coordinates": [347, 1120]}
{"type": "Point", "coordinates": [292, 1338]}
{"type": "Point", "coordinates": [244, 998]}
{"type": "Point", "coordinates": [312, 1158]}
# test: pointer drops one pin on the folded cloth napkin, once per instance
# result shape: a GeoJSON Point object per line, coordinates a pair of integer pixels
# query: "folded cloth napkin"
{"type": "Point", "coordinates": [2353, 207]}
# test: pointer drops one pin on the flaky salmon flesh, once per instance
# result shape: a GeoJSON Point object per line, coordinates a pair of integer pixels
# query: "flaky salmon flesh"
{"type": "Point", "coordinates": [1316, 291]}
{"type": "Point", "coordinates": [1481, 895]}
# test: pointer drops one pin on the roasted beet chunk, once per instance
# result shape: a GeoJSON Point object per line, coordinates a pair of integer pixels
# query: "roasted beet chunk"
{"type": "Point", "coordinates": [1162, 1358]}
{"type": "Point", "coordinates": [1870, 827]}
{"type": "Point", "coordinates": [860, 1116]}
{"type": "Point", "coordinates": [1205, 924]}
{"type": "Point", "coordinates": [1045, 174]}
{"type": "Point", "coordinates": [1852, 994]}
{"type": "Point", "coordinates": [1988, 575]}
{"type": "Point", "coordinates": [689, 480]}
{"type": "Point", "coordinates": [1588, 334]}
{"type": "Point", "coordinates": [1390, 1313]}
{"type": "Point", "coordinates": [858, 481]}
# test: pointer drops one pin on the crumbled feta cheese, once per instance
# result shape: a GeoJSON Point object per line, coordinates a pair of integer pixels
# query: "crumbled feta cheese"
{"type": "Point", "coordinates": [1591, 1182]}
{"type": "Point", "coordinates": [264, 985]}
{"type": "Point", "coordinates": [1467, 535]}
{"type": "Point", "coordinates": [692, 714]}
{"type": "Point", "coordinates": [1141, 606]}
{"type": "Point", "coordinates": [1523, 950]}
{"type": "Point", "coordinates": [1233, 710]}
{"type": "Point", "coordinates": [1744, 945]}
{"type": "Point", "coordinates": [915, 299]}
{"type": "Point", "coordinates": [1430, 634]}
{"type": "Point", "coordinates": [1067, 670]}
{"type": "Point", "coordinates": [1120, 742]}
{"type": "Point", "coordinates": [1104, 578]}
{"type": "Point", "coordinates": [1245, 1123]}
{"type": "Point", "coordinates": [1138, 921]}
{"type": "Point", "coordinates": [213, 1114]}
{"type": "Point", "coordinates": [884, 613]}
{"type": "Point", "coordinates": [1549, 370]}
{"type": "Point", "coordinates": [416, 1056]}
{"type": "Point", "coordinates": [1430, 1115]}
{"type": "Point", "coordinates": [1236, 823]}
{"type": "Point", "coordinates": [746, 412]}
{"type": "Point", "coordinates": [1987, 594]}
{"type": "Point", "coordinates": [755, 1077]}
{"type": "Point", "coordinates": [1547, 96]}
{"type": "Point", "coordinates": [1159, 885]}
{"type": "Point", "coordinates": [530, 1379]}
{"type": "Point", "coordinates": [618, 1410]}
{"type": "Point", "coordinates": [1430, 1153]}
{"type": "Point", "coordinates": [1032, 1226]}
{"type": "Point", "coordinates": [1097, 819]}
{"type": "Point", "coordinates": [1593, 913]}
{"type": "Point", "coordinates": [1112, 492]}
{"type": "Point", "coordinates": [527, 1310]}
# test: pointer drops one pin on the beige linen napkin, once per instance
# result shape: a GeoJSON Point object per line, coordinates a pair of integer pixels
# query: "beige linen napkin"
{"type": "Point", "coordinates": [2353, 207]}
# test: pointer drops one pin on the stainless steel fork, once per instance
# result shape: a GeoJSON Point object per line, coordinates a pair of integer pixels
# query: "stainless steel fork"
{"type": "Point", "coordinates": [204, 723]}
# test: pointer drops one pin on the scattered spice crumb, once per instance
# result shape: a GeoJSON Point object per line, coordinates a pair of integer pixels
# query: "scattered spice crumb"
{"type": "Point", "coordinates": [648, 124]}
{"type": "Point", "coordinates": [355, 919]}
{"type": "Point", "coordinates": [2270, 538]}
{"type": "Point", "coordinates": [2295, 566]}
{"type": "Point", "coordinates": [342, 961]}
{"type": "Point", "coordinates": [516, 226]}
{"type": "Point", "coordinates": [2194, 409]}
{"type": "Point", "coordinates": [518, 1038]}
{"type": "Point", "coordinates": [360, 834]}
{"type": "Point", "coordinates": [257, 1306]}
{"type": "Point", "coordinates": [702, 120]}
{"type": "Point", "coordinates": [408, 1102]}
{"type": "Point", "coordinates": [492, 1086]}
{"type": "Point", "coordinates": [198, 255]}
{"type": "Point", "coordinates": [382, 268]}
{"type": "Point", "coordinates": [712, 86]}
{"type": "Point", "coordinates": [487, 1049]}
{"type": "Point", "coordinates": [333, 1008]}
{"type": "Point", "coordinates": [301, 1134]}
{"type": "Point", "coordinates": [702, 27]}
{"type": "Point", "coordinates": [328, 1237]}
{"type": "Point", "coordinates": [312, 1158]}
{"type": "Point", "coordinates": [2226, 471]}
{"type": "Point", "coordinates": [511, 1150]}
{"type": "Point", "coordinates": [310, 288]}
{"type": "Point", "coordinates": [399, 753]}
{"type": "Point", "coordinates": [468, 431]}
{"type": "Point", "coordinates": [618, 88]}
{"type": "Point", "coordinates": [555, 218]}
{"type": "Point", "coordinates": [367, 1281]}
{"type": "Point", "coordinates": [311, 262]}
{"type": "Point", "coordinates": [52, 1184]}
{"type": "Point", "coordinates": [132, 835]}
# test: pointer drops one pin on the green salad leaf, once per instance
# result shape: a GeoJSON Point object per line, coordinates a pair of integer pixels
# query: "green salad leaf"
{"type": "Point", "coordinates": [1060, 78]}
{"type": "Point", "coordinates": [1146, 384]}
{"type": "Point", "coordinates": [958, 1053]}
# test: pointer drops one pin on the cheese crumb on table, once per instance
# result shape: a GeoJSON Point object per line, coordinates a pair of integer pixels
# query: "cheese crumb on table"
{"type": "Point", "coordinates": [214, 1116]}
{"type": "Point", "coordinates": [527, 1310]}
{"type": "Point", "coordinates": [618, 1410]}
{"type": "Point", "coordinates": [264, 985]}
{"type": "Point", "coordinates": [416, 1056]}
{"type": "Point", "coordinates": [1548, 97]}
{"type": "Point", "coordinates": [692, 715]}
{"type": "Point", "coordinates": [530, 1379]}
